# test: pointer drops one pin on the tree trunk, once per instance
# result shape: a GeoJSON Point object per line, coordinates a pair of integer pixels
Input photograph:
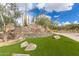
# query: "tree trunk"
{"type": "Point", "coordinates": [4, 31]}
{"type": "Point", "coordinates": [5, 36]}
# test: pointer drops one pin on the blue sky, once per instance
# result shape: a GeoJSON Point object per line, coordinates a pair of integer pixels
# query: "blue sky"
{"type": "Point", "coordinates": [65, 13]}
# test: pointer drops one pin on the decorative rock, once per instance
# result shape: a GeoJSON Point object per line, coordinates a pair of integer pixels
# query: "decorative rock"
{"type": "Point", "coordinates": [9, 27]}
{"type": "Point", "coordinates": [20, 54]}
{"type": "Point", "coordinates": [1, 40]}
{"type": "Point", "coordinates": [20, 38]}
{"type": "Point", "coordinates": [31, 47]}
{"type": "Point", "coordinates": [24, 44]}
{"type": "Point", "coordinates": [57, 37]}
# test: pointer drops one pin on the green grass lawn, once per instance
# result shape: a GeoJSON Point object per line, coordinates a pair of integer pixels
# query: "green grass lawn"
{"type": "Point", "coordinates": [47, 46]}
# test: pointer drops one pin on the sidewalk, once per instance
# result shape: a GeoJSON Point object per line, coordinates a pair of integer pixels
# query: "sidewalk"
{"type": "Point", "coordinates": [74, 36]}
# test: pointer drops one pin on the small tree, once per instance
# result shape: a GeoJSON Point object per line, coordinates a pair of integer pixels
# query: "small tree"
{"type": "Point", "coordinates": [44, 21]}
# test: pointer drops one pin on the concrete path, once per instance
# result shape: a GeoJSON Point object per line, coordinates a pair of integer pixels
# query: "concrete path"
{"type": "Point", "coordinates": [74, 36]}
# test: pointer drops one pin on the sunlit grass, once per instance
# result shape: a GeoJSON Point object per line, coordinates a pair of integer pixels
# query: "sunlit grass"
{"type": "Point", "coordinates": [46, 46]}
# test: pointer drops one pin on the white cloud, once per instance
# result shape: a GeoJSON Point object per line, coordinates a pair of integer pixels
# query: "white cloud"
{"type": "Point", "coordinates": [40, 5]}
{"type": "Point", "coordinates": [43, 15]}
{"type": "Point", "coordinates": [66, 23]}
{"type": "Point", "coordinates": [78, 15]}
{"type": "Point", "coordinates": [76, 22]}
{"type": "Point", "coordinates": [30, 6]}
{"type": "Point", "coordinates": [55, 6]}
{"type": "Point", "coordinates": [56, 16]}
{"type": "Point", "coordinates": [21, 6]}
{"type": "Point", "coordinates": [59, 24]}
{"type": "Point", "coordinates": [47, 16]}
{"type": "Point", "coordinates": [25, 6]}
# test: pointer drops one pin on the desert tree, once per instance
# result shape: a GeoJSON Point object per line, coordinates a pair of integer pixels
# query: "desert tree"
{"type": "Point", "coordinates": [8, 13]}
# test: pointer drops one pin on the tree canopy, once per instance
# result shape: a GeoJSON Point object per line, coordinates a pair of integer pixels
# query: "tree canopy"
{"type": "Point", "coordinates": [43, 20]}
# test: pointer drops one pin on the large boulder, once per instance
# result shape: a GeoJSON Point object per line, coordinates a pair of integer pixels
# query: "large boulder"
{"type": "Point", "coordinates": [31, 47]}
{"type": "Point", "coordinates": [36, 28]}
{"type": "Point", "coordinates": [9, 27]}
{"type": "Point", "coordinates": [57, 37]}
{"type": "Point", "coordinates": [24, 44]}
{"type": "Point", "coordinates": [10, 31]}
{"type": "Point", "coordinates": [1, 40]}
{"type": "Point", "coordinates": [11, 34]}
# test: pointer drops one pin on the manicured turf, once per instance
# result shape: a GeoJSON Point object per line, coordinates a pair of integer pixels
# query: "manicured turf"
{"type": "Point", "coordinates": [47, 46]}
